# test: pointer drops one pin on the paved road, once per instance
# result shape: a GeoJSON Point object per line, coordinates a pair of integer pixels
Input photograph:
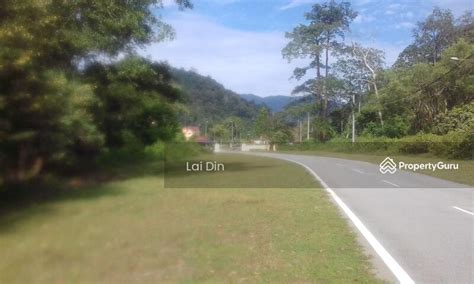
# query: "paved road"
{"type": "Point", "coordinates": [412, 216]}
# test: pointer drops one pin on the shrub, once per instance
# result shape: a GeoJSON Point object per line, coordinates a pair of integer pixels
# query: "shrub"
{"type": "Point", "coordinates": [458, 118]}
{"type": "Point", "coordinates": [323, 130]}
{"type": "Point", "coordinates": [417, 144]}
{"type": "Point", "coordinates": [455, 145]}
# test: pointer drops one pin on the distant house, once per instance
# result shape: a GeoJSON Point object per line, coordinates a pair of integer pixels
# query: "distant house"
{"type": "Point", "coordinates": [190, 132]}
{"type": "Point", "coordinates": [194, 133]}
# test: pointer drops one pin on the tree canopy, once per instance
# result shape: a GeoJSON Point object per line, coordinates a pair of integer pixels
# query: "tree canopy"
{"type": "Point", "coordinates": [49, 113]}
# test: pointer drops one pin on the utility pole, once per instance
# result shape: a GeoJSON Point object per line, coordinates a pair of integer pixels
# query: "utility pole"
{"type": "Point", "coordinates": [300, 126]}
{"type": "Point", "coordinates": [353, 119]}
{"type": "Point", "coordinates": [307, 133]}
{"type": "Point", "coordinates": [232, 132]}
{"type": "Point", "coordinates": [205, 129]}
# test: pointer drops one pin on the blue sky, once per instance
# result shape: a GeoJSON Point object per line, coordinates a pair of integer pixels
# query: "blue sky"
{"type": "Point", "coordinates": [239, 42]}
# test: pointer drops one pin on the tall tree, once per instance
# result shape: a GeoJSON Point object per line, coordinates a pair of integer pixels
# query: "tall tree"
{"type": "Point", "coordinates": [327, 24]}
{"type": "Point", "coordinates": [135, 95]}
{"type": "Point", "coordinates": [262, 127]}
{"type": "Point", "coordinates": [432, 36]}
{"type": "Point", "coordinates": [435, 33]}
{"type": "Point", "coordinates": [371, 62]}
{"type": "Point", "coordinates": [44, 43]}
{"type": "Point", "coordinates": [465, 26]}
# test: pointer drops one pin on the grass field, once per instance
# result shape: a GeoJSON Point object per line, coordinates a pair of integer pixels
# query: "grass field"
{"type": "Point", "coordinates": [463, 175]}
{"type": "Point", "coordinates": [133, 230]}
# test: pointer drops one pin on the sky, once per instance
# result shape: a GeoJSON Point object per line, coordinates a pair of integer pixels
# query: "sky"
{"type": "Point", "coordinates": [239, 42]}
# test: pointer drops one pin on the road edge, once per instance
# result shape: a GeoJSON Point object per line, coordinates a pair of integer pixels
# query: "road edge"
{"type": "Point", "coordinates": [401, 275]}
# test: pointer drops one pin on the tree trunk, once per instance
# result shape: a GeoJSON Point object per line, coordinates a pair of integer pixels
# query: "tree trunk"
{"type": "Point", "coordinates": [326, 72]}
{"type": "Point", "coordinates": [309, 122]}
{"type": "Point", "coordinates": [318, 68]}
{"type": "Point", "coordinates": [353, 119]}
{"type": "Point", "coordinates": [358, 102]}
{"type": "Point", "coordinates": [376, 90]}
{"type": "Point", "coordinates": [27, 167]}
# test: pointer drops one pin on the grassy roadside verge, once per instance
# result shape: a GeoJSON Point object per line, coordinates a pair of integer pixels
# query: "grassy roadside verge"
{"type": "Point", "coordinates": [463, 175]}
{"type": "Point", "coordinates": [134, 230]}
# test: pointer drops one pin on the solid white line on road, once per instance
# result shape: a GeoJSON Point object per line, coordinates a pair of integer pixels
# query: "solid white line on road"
{"type": "Point", "coordinates": [358, 171]}
{"type": "Point", "coordinates": [391, 183]}
{"type": "Point", "coordinates": [341, 165]}
{"type": "Point", "coordinates": [391, 263]}
{"type": "Point", "coordinates": [462, 210]}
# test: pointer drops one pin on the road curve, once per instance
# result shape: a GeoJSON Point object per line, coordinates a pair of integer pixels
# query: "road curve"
{"type": "Point", "coordinates": [426, 224]}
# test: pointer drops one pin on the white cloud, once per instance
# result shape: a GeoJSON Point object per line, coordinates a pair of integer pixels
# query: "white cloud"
{"type": "Point", "coordinates": [295, 3]}
{"type": "Point", "coordinates": [362, 2]}
{"type": "Point", "coordinates": [243, 61]}
{"type": "Point", "coordinates": [169, 3]}
{"type": "Point", "coordinates": [409, 15]}
{"type": "Point", "coordinates": [405, 25]}
{"type": "Point", "coordinates": [361, 18]}
{"type": "Point", "coordinates": [393, 8]}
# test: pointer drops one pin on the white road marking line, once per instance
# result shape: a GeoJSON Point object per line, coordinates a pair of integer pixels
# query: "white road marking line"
{"type": "Point", "coordinates": [462, 210]}
{"type": "Point", "coordinates": [358, 171]}
{"type": "Point", "coordinates": [391, 263]}
{"type": "Point", "coordinates": [391, 183]}
{"type": "Point", "coordinates": [341, 165]}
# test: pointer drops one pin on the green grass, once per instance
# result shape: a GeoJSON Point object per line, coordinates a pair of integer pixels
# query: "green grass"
{"type": "Point", "coordinates": [462, 175]}
{"type": "Point", "coordinates": [240, 172]}
{"type": "Point", "coordinates": [133, 230]}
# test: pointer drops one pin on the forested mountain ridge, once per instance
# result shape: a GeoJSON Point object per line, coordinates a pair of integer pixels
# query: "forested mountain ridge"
{"type": "Point", "coordinates": [274, 103]}
{"type": "Point", "coordinates": [208, 100]}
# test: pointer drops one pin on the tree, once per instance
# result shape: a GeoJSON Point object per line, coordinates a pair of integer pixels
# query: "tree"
{"type": "Point", "coordinates": [328, 22]}
{"type": "Point", "coordinates": [435, 33]}
{"type": "Point", "coordinates": [465, 26]}
{"type": "Point", "coordinates": [370, 61]}
{"type": "Point", "coordinates": [432, 36]}
{"type": "Point", "coordinates": [262, 127]}
{"type": "Point", "coordinates": [136, 96]}
{"type": "Point", "coordinates": [423, 91]}
{"type": "Point", "coordinates": [235, 125]}
{"type": "Point", "coordinates": [39, 66]}
{"type": "Point", "coordinates": [219, 132]}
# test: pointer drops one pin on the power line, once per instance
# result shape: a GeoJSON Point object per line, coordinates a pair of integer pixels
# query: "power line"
{"type": "Point", "coordinates": [416, 93]}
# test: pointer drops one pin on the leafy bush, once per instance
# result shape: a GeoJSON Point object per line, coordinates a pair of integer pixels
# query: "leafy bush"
{"type": "Point", "coordinates": [394, 128]}
{"type": "Point", "coordinates": [181, 149]}
{"type": "Point", "coordinates": [455, 145]}
{"type": "Point", "coordinates": [280, 137]}
{"type": "Point", "coordinates": [323, 131]}
{"type": "Point", "coordinates": [156, 150]}
{"type": "Point", "coordinates": [417, 144]}
{"type": "Point", "coordinates": [458, 118]}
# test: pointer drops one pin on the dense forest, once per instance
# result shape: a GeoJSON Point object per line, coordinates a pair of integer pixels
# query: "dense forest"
{"type": "Point", "coordinates": [65, 96]}
{"type": "Point", "coordinates": [206, 100]}
{"type": "Point", "coordinates": [426, 96]}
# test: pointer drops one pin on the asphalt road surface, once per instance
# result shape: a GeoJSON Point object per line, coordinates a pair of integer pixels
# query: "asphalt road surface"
{"type": "Point", "coordinates": [417, 228]}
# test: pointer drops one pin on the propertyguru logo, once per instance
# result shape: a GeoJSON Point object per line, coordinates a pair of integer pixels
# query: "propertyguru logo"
{"type": "Point", "coordinates": [388, 165]}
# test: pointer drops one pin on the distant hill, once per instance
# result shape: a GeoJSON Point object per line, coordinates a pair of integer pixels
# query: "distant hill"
{"type": "Point", "coordinates": [208, 100]}
{"type": "Point", "coordinates": [299, 101]}
{"type": "Point", "coordinates": [274, 103]}
{"type": "Point", "coordinates": [303, 101]}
